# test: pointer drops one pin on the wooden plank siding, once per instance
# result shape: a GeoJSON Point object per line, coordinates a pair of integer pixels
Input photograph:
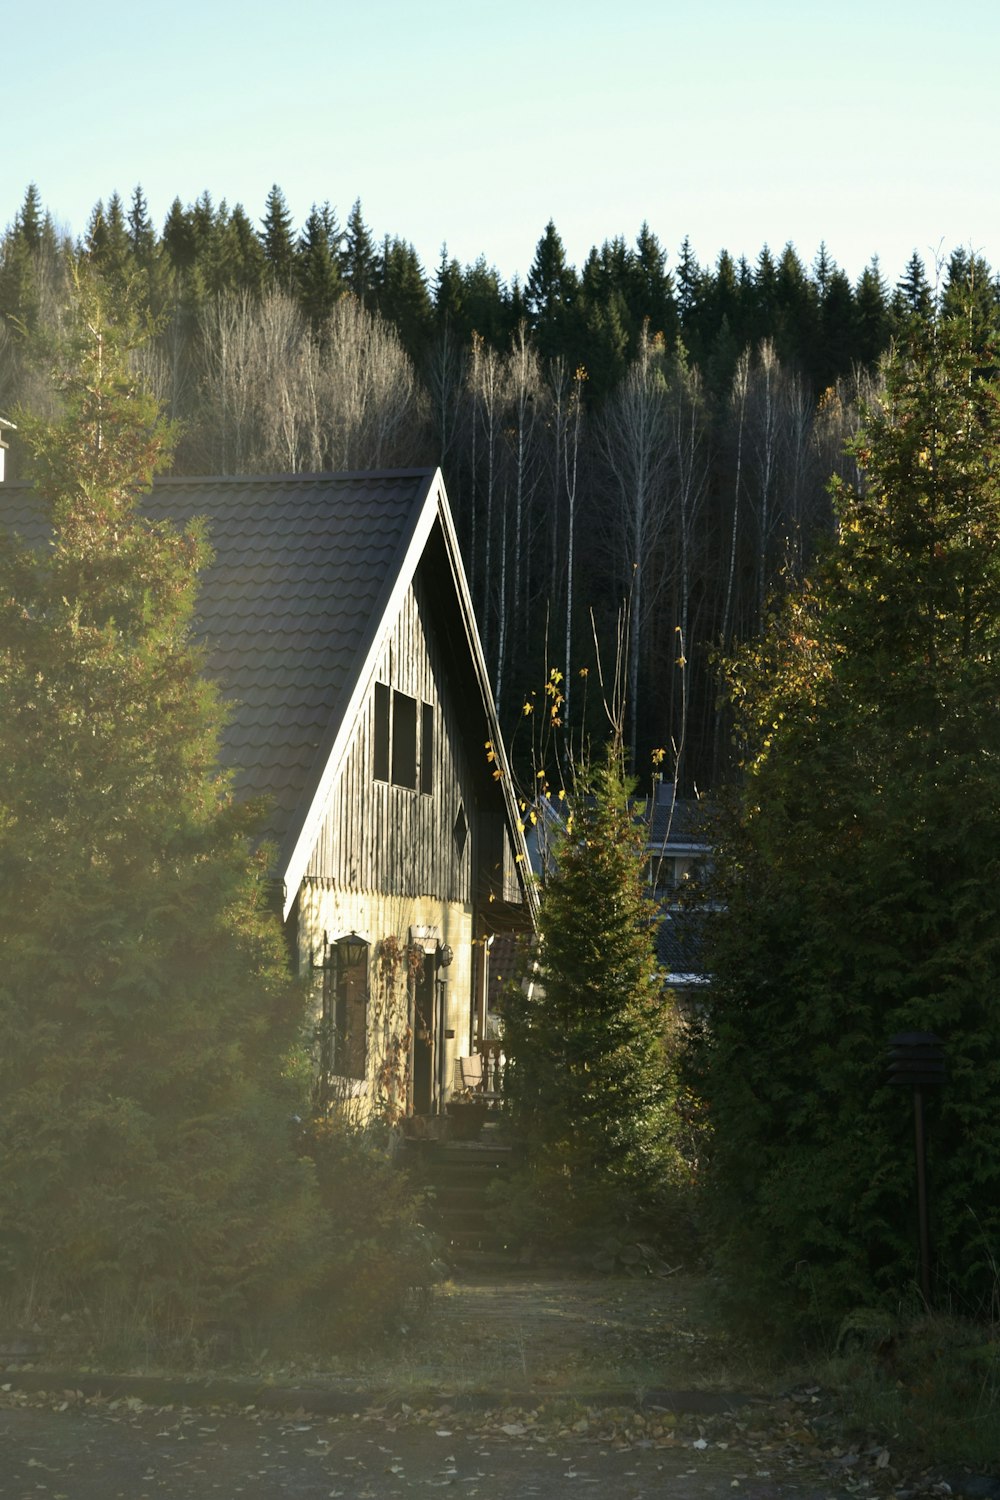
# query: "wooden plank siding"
{"type": "Point", "coordinates": [379, 837]}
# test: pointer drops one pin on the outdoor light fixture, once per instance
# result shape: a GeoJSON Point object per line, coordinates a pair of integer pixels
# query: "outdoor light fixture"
{"type": "Point", "coordinates": [444, 955]}
{"type": "Point", "coordinates": [351, 950]}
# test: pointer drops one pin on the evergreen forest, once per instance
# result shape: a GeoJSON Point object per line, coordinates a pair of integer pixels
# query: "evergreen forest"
{"type": "Point", "coordinates": [637, 451]}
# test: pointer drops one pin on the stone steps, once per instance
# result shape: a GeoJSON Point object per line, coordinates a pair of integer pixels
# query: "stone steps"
{"type": "Point", "coordinates": [458, 1176]}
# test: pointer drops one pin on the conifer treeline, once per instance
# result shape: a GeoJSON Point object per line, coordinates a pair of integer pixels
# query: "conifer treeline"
{"type": "Point", "coordinates": [622, 432]}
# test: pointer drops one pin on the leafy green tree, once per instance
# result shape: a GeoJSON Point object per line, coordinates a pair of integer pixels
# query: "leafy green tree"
{"type": "Point", "coordinates": [146, 1012]}
{"type": "Point", "coordinates": [859, 874]}
{"type": "Point", "coordinates": [591, 1083]}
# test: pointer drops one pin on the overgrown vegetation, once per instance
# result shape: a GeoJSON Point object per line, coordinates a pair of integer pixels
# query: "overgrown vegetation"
{"type": "Point", "coordinates": [150, 1031]}
{"type": "Point", "coordinates": [858, 870]}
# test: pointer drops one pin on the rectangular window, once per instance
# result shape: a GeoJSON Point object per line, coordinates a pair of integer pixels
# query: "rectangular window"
{"type": "Point", "coordinates": [381, 757]}
{"type": "Point", "coordinates": [350, 1017]}
{"type": "Point", "coordinates": [404, 740]}
{"type": "Point", "coordinates": [426, 749]}
{"type": "Point", "coordinates": [403, 749]}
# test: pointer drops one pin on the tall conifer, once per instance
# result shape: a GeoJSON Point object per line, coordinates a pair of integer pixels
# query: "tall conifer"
{"type": "Point", "coordinates": [145, 1010]}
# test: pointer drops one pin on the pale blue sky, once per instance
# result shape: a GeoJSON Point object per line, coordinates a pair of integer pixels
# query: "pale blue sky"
{"type": "Point", "coordinates": [872, 124]}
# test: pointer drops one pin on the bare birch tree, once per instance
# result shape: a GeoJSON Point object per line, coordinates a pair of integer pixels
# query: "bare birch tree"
{"type": "Point", "coordinates": [633, 438]}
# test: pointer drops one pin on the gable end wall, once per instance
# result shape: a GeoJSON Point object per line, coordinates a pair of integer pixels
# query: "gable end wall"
{"type": "Point", "coordinates": [376, 837]}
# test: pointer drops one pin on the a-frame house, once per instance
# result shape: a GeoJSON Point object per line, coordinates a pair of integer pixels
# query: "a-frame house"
{"type": "Point", "coordinates": [337, 620]}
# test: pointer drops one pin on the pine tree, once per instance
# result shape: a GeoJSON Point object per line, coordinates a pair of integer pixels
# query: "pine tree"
{"type": "Point", "coordinates": [969, 291]}
{"type": "Point", "coordinates": [360, 263]}
{"type": "Point", "coordinates": [652, 294]}
{"type": "Point", "coordinates": [403, 298]}
{"type": "Point", "coordinates": [837, 325]}
{"type": "Point", "coordinates": [873, 325]}
{"type": "Point", "coordinates": [798, 311]}
{"type": "Point", "coordinates": [914, 298]}
{"type": "Point", "coordinates": [140, 228]}
{"type": "Point", "coordinates": [550, 294]}
{"type": "Point", "coordinates": [178, 237]}
{"type": "Point", "coordinates": [244, 257]}
{"type": "Point", "coordinates": [146, 1012]}
{"type": "Point", "coordinates": [29, 221]}
{"type": "Point", "coordinates": [26, 252]}
{"type": "Point", "coordinates": [487, 310]}
{"type": "Point", "coordinates": [765, 297]}
{"type": "Point", "coordinates": [859, 873]}
{"type": "Point", "coordinates": [317, 265]}
{"type": "Point", "coordinates": [109, 247]}
{"type": "Point", "coordinates": [591, 1078]}
{"type": "Point", "coordinates": [448, 294]}
{"type": "Point", "coordinates": [278, 241]}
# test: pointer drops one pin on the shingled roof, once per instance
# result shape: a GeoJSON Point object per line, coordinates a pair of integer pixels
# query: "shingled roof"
{"type": "Point", "coordinates": [289, 611]}
{"type": "Point", "coordinates": [302, 572]}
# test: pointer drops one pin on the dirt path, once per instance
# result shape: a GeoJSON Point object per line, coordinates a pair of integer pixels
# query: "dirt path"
{"type": "Point", "coordinates": [507, 1388]}
{"type": "Point", "coordinates": [557, 1334]}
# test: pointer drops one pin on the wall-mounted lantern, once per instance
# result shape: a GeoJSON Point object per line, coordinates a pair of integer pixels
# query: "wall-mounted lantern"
{"type": "Point", "coordinates": [445, 955]}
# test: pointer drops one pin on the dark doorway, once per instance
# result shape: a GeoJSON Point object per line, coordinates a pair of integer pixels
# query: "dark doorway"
{"type": "Point", "coordinates": [424, 1037]}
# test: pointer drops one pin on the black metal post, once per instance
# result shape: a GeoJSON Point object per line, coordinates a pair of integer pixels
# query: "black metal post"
{"type": "Point", "coordinates": [923, 1223]}
{"type": "Point", "coordinates": [916, 1058]}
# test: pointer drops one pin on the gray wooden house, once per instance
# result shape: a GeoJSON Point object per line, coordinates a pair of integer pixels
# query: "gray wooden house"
{"type": "Point", "coordinates": [337, 620]}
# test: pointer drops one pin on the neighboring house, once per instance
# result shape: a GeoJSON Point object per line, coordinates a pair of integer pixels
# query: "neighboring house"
{"type": "Point", "coordinates": [337, 620]}
{"type": "Point", "coordinates": [5, 427]}
{"type": "Point", "coordinates": [677, 852]}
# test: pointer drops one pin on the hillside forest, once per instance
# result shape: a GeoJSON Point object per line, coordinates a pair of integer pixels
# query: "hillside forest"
{"type": "Point", "coordinates": [637, 452]}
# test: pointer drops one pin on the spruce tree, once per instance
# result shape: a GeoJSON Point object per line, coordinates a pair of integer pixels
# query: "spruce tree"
{"type": "Point", "coordinates": [278, 241]}
{"type": "Point", "coordinates": [550, 293]}
{"type": "Point", "coordinates": [317, 265]}
{"type": "Point", "coordinates": [140, 228]}
{"type": "Point", "coordinates": [360, 266]}
{"type": "Point", "coordinates": [590, 1070]}
{"type": "Point", "coordinates": [403, 297]}
{"type": "Point", "coordinates": [146, 1013]}
{"type": "Point", "coordinates": [873, 320]}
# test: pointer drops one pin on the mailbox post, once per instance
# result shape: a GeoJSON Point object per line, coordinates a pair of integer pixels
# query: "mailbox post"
{"type": "Point", "coordinates": [916, 1060]}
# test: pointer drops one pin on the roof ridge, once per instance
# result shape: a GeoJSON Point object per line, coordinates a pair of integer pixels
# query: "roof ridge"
{"type": "Point", "coordinates": [320, 476]}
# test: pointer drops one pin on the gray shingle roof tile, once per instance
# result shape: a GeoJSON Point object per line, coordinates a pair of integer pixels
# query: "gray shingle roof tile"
{"type": "Point", "coordinates": [301, 566]}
